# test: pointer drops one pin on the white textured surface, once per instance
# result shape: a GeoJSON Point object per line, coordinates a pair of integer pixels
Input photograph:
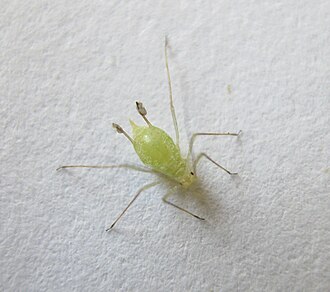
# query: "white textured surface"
{"type": "Point", "coordinates": [70, 68]}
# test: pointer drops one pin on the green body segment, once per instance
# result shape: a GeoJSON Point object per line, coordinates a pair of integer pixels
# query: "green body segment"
{"type": "Point", "coordinates": [157, 150]}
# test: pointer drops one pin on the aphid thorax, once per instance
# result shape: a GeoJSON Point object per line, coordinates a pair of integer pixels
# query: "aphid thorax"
{"type": "Point", "coordinates": [157, 150]}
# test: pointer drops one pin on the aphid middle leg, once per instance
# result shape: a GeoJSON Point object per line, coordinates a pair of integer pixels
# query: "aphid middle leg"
{"type": "Point", "coordinates": [214, 162]}
{"type": "Point", "coordinates": [169, 193]}
{"type": "Point", "coordinates": [193, 137]}
{"type": "Point", "coordinates": [148, 186]}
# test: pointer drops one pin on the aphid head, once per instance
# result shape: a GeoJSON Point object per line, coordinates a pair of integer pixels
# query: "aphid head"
{"type": "Point", "coordinates": [188, 179]}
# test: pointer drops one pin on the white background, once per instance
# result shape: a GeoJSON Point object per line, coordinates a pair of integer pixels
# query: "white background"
{"type": "Point", "coordinates": [71, 68]}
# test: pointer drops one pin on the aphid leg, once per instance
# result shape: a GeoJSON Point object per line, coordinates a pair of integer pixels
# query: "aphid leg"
{"type": "Point", "coordinates": [193, 137]}
{"type": "Point", "coordinates": [169, 193]}
{"type": "Point", "coordinates": [120, 130]}
{"type": "Point", "coordinates": [129, 166]}
{"type": "Point", "coordinates": [175, 123]}
{"type": "Point", "coordinates": [148, 186]}
{"type": "Point", "coordinates": [209, 158]}
{"type": "Point", "coordinates": [142, 111]}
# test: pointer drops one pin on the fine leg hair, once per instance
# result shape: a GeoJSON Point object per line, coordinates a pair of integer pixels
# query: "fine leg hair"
{"type": "Point", "coordinates": [129, 166]}
{"type": "Point", "coordinates": [209, 158]}
{"type": "Point", "coordinates": [169, 193]}
{"type": "Point", "coordinates": [193, 137]}
{"type": "Point", "coordinates": [175, 123]}
{"type": "Point", "coordinates": [148, 186]}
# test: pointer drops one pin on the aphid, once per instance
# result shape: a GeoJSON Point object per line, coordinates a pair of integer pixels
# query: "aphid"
{"type": "Point", "coordinates": [160, 154]}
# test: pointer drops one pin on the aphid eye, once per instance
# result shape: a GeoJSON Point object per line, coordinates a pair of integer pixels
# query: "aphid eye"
{"type": "Point", "coordinates": [191, 173]}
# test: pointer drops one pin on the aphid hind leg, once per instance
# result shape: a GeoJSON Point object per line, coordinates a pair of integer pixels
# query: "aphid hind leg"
{"type": "Point", "coordinates": [214, 162]}
{"type": "Point", "coordinates": [169, 193]}
{"type": "Point", "coordinates": [142, 111]}
{"type": "Point", "coordinates": [148, 186]}
{"type": "Point", "coordinates": [129, 166]}
{"type": "Point", "coordinates": [175, 123]}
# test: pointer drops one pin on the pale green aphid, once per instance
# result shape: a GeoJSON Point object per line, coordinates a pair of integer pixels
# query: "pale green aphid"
{"type": "Point", "coordinates": [160, 154]}
{"type": "Point", "coordinates": [157, 150]}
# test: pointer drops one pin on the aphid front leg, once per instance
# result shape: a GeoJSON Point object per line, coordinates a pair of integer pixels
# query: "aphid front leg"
{"type": "Point", "coordinates": [214, 162]}
{"type": "Point", "coordinates": [169, 193]}
{"type": "Point", "coordinates": [148, 186]}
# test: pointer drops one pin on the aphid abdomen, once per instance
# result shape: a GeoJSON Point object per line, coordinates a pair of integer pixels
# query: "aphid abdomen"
{"type": "Point", "coordinates": [157, 150]}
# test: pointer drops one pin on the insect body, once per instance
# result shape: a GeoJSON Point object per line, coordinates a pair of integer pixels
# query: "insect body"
{"type": "Point", "coordinates": [157, 150]}
{"type": "Point", "coordinates": [160, 154]}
